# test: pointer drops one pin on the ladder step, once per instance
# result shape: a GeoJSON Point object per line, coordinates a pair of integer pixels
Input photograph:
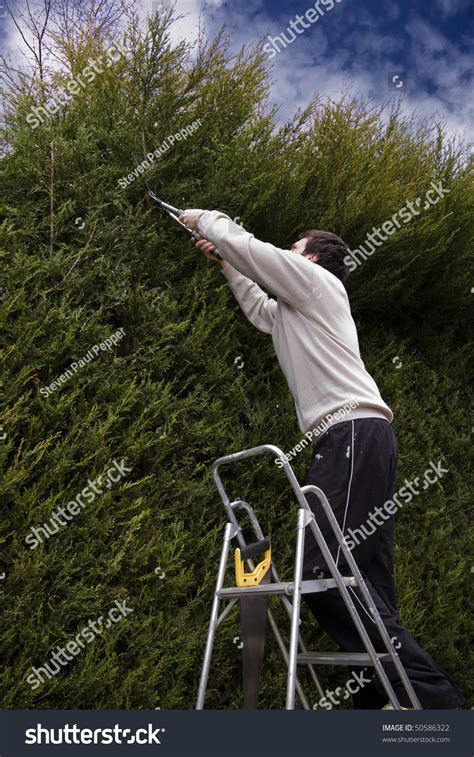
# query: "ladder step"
{"type": "Point", "coordinates": [240, 591]}
{"type": "Point", "coordinates": [338, 658]}
{"type": "Point", "coordinates": [287, 587]}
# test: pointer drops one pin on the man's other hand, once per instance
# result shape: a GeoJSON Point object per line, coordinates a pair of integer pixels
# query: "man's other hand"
{"type": "Point", "coordinates": [206, 247]}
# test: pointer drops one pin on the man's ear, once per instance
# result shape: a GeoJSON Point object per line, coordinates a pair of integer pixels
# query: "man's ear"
{"type": "Point", "coordinates": [312, 256]}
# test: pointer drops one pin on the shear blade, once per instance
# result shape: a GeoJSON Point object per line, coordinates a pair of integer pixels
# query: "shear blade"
{"type": "Point", "coordinates": [253, 627]}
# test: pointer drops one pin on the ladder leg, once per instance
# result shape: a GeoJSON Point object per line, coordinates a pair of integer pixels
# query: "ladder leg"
{"type": "Point", "coordinates": [284, 654]}
{"type": "Point", "coordinates": [229, 533]}
{"type": "Point", "coordinates": [303, 519]}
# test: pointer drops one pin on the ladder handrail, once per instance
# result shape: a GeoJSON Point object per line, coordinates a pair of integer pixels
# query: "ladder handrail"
{"type": "Point", "coordinates": [252, 452]}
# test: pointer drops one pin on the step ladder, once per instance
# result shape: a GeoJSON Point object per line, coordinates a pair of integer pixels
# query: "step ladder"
{"type": "Point", "coordinates": [297, 653]}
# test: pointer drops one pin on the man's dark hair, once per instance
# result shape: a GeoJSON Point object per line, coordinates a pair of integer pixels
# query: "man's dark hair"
{"type": "Point", "coordinates": [331, 250]}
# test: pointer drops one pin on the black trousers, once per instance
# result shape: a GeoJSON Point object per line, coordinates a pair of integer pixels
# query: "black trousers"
{"type": "Point", "coordinates": [354, 463]}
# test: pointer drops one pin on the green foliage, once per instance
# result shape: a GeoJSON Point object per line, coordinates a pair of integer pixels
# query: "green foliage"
{"type": "Point", "coordinates": [83, 257]}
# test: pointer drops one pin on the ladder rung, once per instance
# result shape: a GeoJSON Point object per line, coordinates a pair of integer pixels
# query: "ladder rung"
{"type": "Point", "coordinates": [287, 587]}
{"type": "Point", "coordinates": [338, 658]}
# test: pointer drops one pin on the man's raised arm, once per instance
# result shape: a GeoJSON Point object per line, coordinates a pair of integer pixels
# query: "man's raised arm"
{"type": "Point", "coordinates": [289, 276]}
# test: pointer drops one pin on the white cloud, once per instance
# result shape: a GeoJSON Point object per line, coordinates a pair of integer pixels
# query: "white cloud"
{"type": "Point", "coordinates": [392, 11]}
{"type": "Point", "coordinates": [447, 70]}
{"type": "Point", "coordinates": [450, 7]}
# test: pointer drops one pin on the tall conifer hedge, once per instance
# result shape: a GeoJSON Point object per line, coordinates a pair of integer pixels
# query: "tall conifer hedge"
{"type": "Point", "coordinates": [82, 258]}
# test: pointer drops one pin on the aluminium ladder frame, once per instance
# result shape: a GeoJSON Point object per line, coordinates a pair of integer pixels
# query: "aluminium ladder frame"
{"type": "Point", "coordinates": [296, 588]}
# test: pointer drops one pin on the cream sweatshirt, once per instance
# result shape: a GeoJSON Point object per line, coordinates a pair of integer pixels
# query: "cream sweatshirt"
{"type": "Point", "coordinates": [310, 321]}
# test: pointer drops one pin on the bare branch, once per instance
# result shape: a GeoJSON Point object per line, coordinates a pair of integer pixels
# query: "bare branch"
{"type": "Point", "coordinates": [21, 32]}
{"type": "Point", "coordinates": [51, 202]}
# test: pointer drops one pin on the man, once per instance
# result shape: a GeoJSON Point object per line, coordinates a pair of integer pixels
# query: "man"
{"type": "Point", "coordinates": [354, 461]}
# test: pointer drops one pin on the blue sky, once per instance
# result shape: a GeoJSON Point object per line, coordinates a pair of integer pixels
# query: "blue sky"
{"type": "Point", "coordinates": [357, 47]}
